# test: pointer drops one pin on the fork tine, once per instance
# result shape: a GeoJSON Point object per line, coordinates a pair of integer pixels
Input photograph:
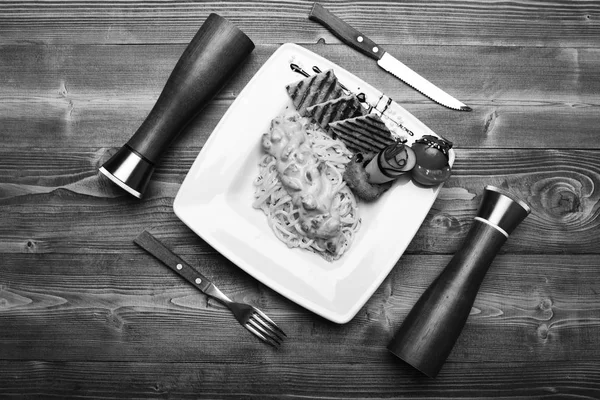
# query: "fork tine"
{"type": "Point", "coordinates": [265, 327]}
{"type": "Point", "coordinates": [256, 319]}
{"type": "Point", "coordinates": [272, 324]}
{"type": "Point", "coordinates": [265, 338]}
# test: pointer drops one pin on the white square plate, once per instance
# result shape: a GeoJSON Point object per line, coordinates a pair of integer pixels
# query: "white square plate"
{"type": "Point", "coordinates": [215, 200]}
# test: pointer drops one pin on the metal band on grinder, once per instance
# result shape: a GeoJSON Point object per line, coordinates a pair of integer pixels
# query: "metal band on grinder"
{"type": "Point", "coordinates": [502, 231]}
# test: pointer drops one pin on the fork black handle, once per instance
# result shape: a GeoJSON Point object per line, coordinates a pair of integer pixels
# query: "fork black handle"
{"type": "Point", "coordinates": [155, 247]}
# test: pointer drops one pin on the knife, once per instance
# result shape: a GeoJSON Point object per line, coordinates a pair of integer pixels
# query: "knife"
{"type": "Point", "coordinates": [385, 60]}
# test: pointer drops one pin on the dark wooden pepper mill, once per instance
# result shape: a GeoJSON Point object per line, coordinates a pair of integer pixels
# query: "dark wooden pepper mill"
{"type": "Point", "coordinates": [431, 328]}
{"type": "Point", "coordinates": [215, 52]}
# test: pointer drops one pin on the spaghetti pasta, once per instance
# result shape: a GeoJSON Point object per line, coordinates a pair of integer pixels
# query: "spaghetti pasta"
{"type": "Point", "coordinates": [301, 190]}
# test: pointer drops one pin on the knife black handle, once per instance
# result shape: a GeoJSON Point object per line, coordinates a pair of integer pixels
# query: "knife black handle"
{"type": "Point", "coordinates": [153, 246]}
{"type": "Point", "coordinates": [345, 32]}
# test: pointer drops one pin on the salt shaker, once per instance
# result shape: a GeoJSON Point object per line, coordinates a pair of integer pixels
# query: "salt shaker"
{"type": "Point", "coordinates": [431, 328]}
{"type": "Point", "coordinates": [210, 59]}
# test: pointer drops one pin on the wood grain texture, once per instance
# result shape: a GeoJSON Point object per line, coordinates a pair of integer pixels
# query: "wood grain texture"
{"type": "Point", "coordinates": [50, 198]}
{"type": "Point", "coordinates": [74, 96]}
{"type": "Point", "coordinates": [86, 313]}
{"type": "Point", "coordinates": [520, 23]}
{"type": "Point", "coordinates": [130, 307]}
{"type": "Point", "coordinates": [579, 380]}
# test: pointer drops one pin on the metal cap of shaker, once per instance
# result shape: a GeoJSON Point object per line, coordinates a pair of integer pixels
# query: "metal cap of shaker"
{"type": "Point", "coordinates": [501, 209]}
{"type": "Point", "coordinates": [129, 170]}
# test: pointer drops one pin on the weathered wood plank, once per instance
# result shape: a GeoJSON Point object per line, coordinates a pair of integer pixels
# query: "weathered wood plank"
{"type": "Point", "coordinates": [73, 96]}
{"type": "Point", "coordinates": [379, 380]}
{"type": "Point", "coordinates": [519, 23]}
{"type": "Point", "coordinates": [129, 307]}
{"type": "Point", "coordinates": [56, 201]}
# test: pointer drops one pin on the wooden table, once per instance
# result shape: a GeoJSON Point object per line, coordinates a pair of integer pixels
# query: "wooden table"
{"type": "Point", "coordinates": [85, 313]}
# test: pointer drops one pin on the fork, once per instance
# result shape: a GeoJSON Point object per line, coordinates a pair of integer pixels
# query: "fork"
{"type": "Point", "coordinates": [248, 316]}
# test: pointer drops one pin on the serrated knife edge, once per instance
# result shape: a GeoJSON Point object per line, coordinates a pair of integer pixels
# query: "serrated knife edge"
{"type": "Point", "coordinates": [397, 68]}
{"type": "Point", "coordinates": [389, 63]}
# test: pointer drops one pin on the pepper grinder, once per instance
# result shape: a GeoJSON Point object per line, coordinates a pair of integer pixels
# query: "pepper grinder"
{"type": "Point", "coordinates": [215, 52]}
{"type": "Point", "coordinates": [431, 328]}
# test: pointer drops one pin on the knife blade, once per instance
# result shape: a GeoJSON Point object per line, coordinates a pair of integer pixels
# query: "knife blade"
{"type": "Point", "coordinates": [385, 60]}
